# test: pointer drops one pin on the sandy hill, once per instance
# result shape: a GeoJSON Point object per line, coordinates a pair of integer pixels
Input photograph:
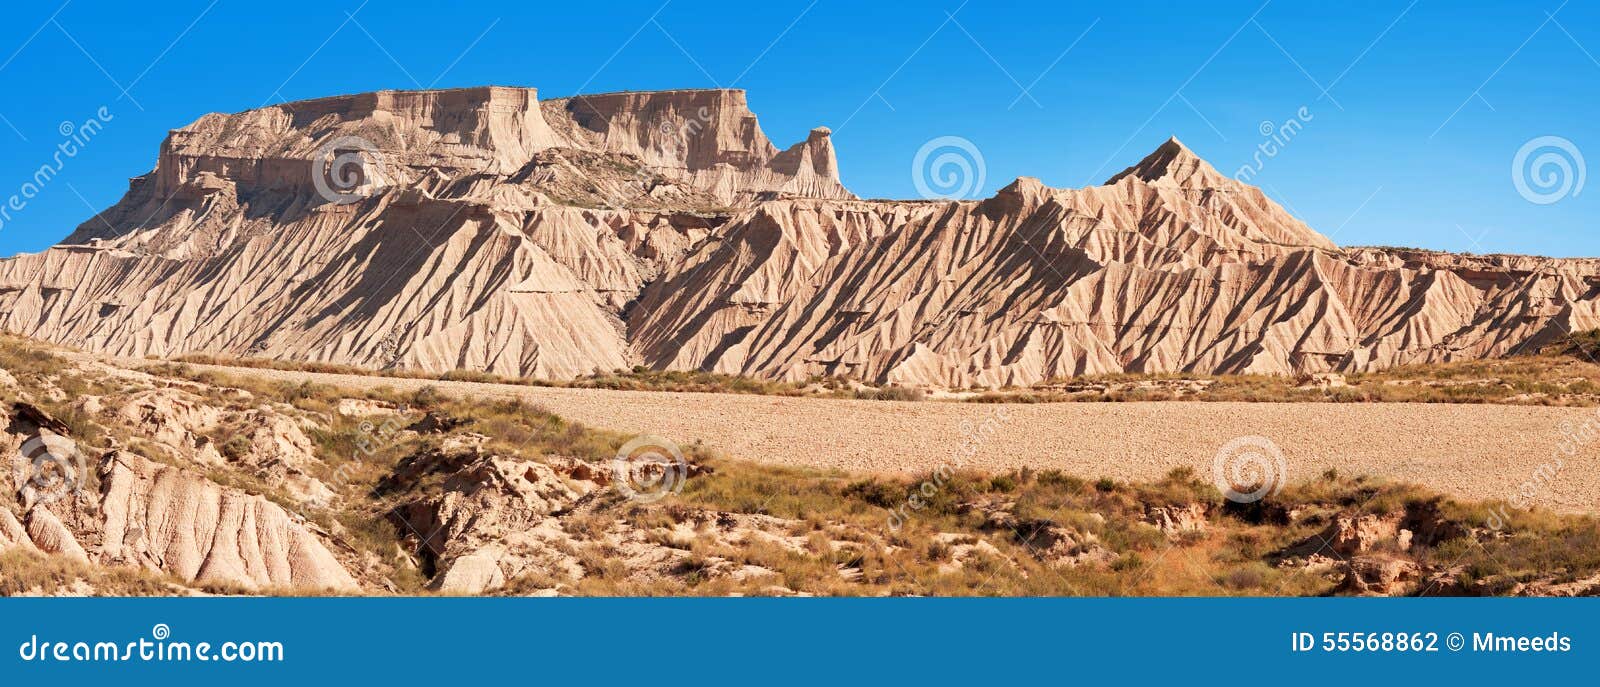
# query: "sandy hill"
{"type": "Point", "coordinates": [485, 229]}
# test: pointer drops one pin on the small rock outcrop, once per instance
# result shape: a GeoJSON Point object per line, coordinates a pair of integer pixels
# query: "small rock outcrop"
{"type": "Point", "coordinates": [491, 519]}
{"type": "Point", "coordinates": [12, 533]}
{"type": "Point", "coordinates": [1351, 535]}
{"type": "Point", "coordinates": [168, 519]}
{"type": "Point", "coordinates": [1379, 575]}
{"type": "Point", "coordinates": [49, 535]}
{"type": "Point", "coordinates": [1175, 520]}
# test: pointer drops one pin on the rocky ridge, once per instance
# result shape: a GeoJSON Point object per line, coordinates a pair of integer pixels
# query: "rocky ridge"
{"type": "Point", "coordinates": [486, 229]}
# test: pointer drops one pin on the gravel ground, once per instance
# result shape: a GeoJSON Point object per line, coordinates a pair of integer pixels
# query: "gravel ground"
{"type": "Point", "coordinates": [1473, 451]}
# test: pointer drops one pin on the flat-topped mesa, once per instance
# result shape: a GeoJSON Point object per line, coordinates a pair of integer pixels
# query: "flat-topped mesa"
{"type": "Point", "coordinates": [489, 129]}
{"type": "Point", "coordinates": [704, 146]}
{"type": "Point", "coordinates": [709, 138]}
{"type": "Point", "coordinates": [709, 135]}
{"type": "Point", "coordinates": [285, 158]}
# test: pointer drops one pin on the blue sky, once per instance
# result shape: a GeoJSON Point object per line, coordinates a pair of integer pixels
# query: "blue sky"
{"type": "Point", "coordinates": [1417, 110]}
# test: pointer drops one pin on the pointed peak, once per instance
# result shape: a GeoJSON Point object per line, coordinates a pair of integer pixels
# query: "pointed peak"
{"type": "Point", "coordinates": [1171, 159]}
{"type": "Point", "coordinates": [1176, 148]}
{"type": "Point", "coordinates": [1173, 167]}
{"type": "Point", "coordinates": [1024, 191]}
{"type": "Point", "coordinates": [1025, 185]}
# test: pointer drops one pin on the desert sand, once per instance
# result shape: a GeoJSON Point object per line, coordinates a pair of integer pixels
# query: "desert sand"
{"type": "Point", "coordinates": [1470, 451]}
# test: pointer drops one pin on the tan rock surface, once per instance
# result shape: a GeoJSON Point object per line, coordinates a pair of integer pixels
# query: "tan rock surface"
{"type": "Point", "coordinates": [492, 520]}
{"type": "Point", "coordinates": [1379, 575]}
{"type": "Point", "coordinates": [1169, 267]}
{"type": "Point", "coordinates": [261, 440]}
{"type": "Point", "coordinates": [12, 533]}
{"type": "Point", "coordinates": [483, 229]}
{"type": "Point", "coordinates": [51, 536]}
{"type": "Point", "coordinates": [1175, 520]}
{"type": "Point", "coordinates": [186, 525]}
{"type": "Point", "coordinates": [707, 137]}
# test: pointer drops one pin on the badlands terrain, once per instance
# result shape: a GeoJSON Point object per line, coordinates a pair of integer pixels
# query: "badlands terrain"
{"type": "Point", "coordinates": [484, 229]}
{"type": "Point", "coordinates": [274, 366]}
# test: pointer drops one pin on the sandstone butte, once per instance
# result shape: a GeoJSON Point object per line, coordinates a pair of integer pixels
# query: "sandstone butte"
{"type": "Point", "coordinates": [486, 229]}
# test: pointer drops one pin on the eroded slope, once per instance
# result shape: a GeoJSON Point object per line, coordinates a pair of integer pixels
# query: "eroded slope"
{"type": "Point", "coordinates": [483, 229]}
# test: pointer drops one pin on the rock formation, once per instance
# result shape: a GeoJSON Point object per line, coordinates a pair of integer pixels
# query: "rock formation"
{"type": "Point", "coordinates": [484, 229]}
{"type": "Point", "coordinates": [493, 519]}
{"type": "Point", "coordinates": [165, 518]}
{"type": "Point", "coordinates": [179, 522]}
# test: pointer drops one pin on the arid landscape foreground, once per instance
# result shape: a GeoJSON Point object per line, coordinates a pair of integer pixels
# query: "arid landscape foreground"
{"type": "Point", "coordinates": [1475, 451]}
{"type": "Point", "coordinates": [170, 478]}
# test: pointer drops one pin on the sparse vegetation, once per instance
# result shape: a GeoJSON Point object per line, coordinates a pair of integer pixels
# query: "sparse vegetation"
{"type": "Point", "coordinates": [892, 393]}
{"type": "Point", "coordinates": [1022, 532]}
{"type": "Point", "coordinates": [26, 572]}
{"type": "Point", "coordinates": [638, 378]}
{"type": "Point", "coordinates": [1563, 373]}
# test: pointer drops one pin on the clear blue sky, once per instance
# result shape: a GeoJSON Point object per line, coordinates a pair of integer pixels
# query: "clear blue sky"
{"type": "Point", "coordinates": [1411, 143]}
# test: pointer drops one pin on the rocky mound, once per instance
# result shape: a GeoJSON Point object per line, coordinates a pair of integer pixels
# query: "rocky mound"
{"type": "Point", "coordinates": [158, 517]}
{"type": "Point", "coordinates": [181, 523]}
{"type": "Point", "coordinates": [483, 229]}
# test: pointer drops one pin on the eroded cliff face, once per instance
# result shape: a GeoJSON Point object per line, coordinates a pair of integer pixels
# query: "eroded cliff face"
{"type": "Point", "coordinates": [708, 137]}
{"type": "Point", "coordinates": [484, 229]}
{"type": "Point", "coordinates": [1170, 266]}
{"type": "Point", "coordinates": [426, 230]}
